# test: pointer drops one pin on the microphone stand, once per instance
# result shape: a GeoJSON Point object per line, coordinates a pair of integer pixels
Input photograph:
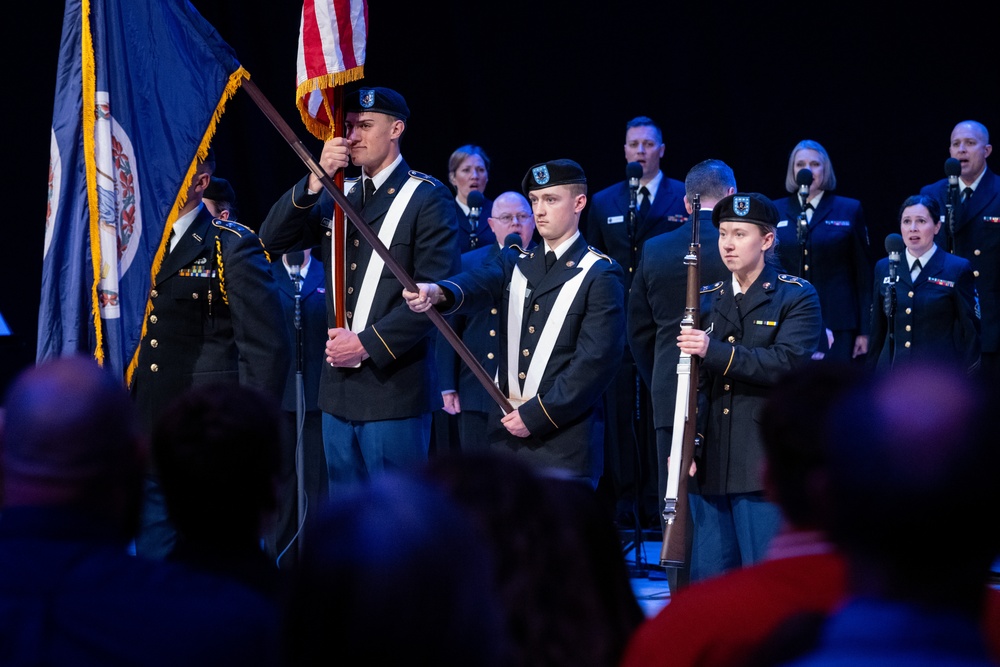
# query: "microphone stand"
{"type": "Point", "coordinates": [889, 307]}
{"type": "Point", "coordinates": [636, 416]}
{"type": "Point", "coordinates": [803, 232]}
{"type": "Point", "coordinates": [950, 206]}
{"type": "Point", "coordinates": [300, 412]}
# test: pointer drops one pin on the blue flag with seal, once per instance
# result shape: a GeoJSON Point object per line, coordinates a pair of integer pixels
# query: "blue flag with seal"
{"type": "Point", "coordinates": [140, 88]}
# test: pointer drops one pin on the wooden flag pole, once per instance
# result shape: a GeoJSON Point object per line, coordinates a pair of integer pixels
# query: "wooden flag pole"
{"type": "Point", "coordinates": [372, 238]}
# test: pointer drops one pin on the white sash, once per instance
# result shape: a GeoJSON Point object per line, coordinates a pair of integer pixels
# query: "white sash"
{"type": "Point", "coordinates": [363, 306]}
{"type": "Point", "coordinates": [550, 331]}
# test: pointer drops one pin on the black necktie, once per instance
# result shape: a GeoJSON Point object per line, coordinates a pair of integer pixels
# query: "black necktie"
{"type": "Point", "coordinates": [644, 206]}
{"type": "Point", "coordinates": [739, 299]}
{"type": "Point", "coordinates": [369, 191]}
{"type": "Point", "coordinates": [915, 269]}
{"type": "Point", "coordinates": [170, 241]}
{"type": "Point", "coordinates": [966, 193]}
{"type": "Point", "coordinates": [550, 259]}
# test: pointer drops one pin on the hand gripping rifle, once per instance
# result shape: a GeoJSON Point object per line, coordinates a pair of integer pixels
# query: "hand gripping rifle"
{"type": "Point", "coordinates": [685, 431]}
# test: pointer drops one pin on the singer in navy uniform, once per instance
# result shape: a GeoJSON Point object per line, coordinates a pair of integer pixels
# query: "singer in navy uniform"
{"type": "Point", "coordinates": [657, 301]}
{"type": "Point", "coordinates": [935, 312]}
{"type": "Point", "coordinates": [378, 386]}
{"type": "Point", "coordinates": [311, 291]}
{"type": "Point", "coordinates": [757, 325]}
{"type": "Point", "coordinates": [462, 392]}
{"type": "Point", "coordinates": [837, 259]}
{"type": "Point", "coordinates": [977, 227]}
{"type": "Point", "coordinates": [630, 477]}
{"type": "Point", "coordinates": [562, 326]}
{"type": "Point", "coordinates": [215, 317]}
{"type": "Point", "coordinates": [468, 172]}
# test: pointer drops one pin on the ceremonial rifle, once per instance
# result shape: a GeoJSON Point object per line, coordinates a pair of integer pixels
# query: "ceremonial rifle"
{"type": "Point", "coordinates": [676, 514]}
{"type": "Point", "coordinates": [372, 238]}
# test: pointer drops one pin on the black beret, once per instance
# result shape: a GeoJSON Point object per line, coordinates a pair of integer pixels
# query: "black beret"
{"type": "Point", "coordinates": [553, 172]}
{"type": "Point", "coordinates": [219, 189]}
{"type": "Point", "coordinates": [745, 207]}
{"type": "Point", "coordinates": [377, 100]}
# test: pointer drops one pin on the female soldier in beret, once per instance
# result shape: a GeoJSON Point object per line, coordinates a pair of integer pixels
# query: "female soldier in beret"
{"type": "Point", "coordinates": [756, 327]}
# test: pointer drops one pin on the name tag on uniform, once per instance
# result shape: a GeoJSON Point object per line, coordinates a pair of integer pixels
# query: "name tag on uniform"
{"type": "Point", "coordinates": [942, 283]}
{"type": "Point", "coordinates": [616, 219]}
{"type": "Point", "coordinates": [782, 223]}
{"type": "Point", "coordinates": [839, 223]}
{"type": "Point", "coordinates": [765, 323]}
{"type": "Point", "coordinates": [886, 280]}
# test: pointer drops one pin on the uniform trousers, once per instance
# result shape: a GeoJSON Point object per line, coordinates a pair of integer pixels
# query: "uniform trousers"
{"type": "Point", "coordinates": [731, 531]}
{"type": "Point", "coordinates": [359, 450]}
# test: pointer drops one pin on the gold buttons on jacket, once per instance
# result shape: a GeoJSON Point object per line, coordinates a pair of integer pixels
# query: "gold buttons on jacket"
{"type": "Point", "coordinates": [489, 356]}
{"type": "Point", "coordinates": [909, 310]}
{"type": "Point", "coordinates": [354, 266]}
{"type": "Point", "coordinates": [154, 343]}
{"type": "Point", "coordinates": [725, 387]}
{"type": "Point", "coordinates": [350, 290]}
{"type": "Point", "coordinates": [521, 375]}
{"type": "Point", "coordinates": [152, 319]}
{"type": "Point", "coordinates": [357, 242]}
{"type": "Point", "coordinates": [976, 273]}
{"type": "Point", "coordinates": [526, 352]}
{"type": "Point", "coordinates": [349, 314]}
{"type": "Point", "coordinates": [493, 332]}
{"type": "Point", "coordinates": [910, 294]}
{"type": "Point", "coordinates": [537, 308]}
{"type": "Point", "coordinates": [732, 339]}
{"type": "Point", "coordinates": [908, 327]}
{"type": "Point", "coordinates": [977, 252]}
{"type": "Point", "coordinates": [531, 329]}
{"type": "Point", "coordinates": [493, 311]}
{"type": "Point", "coordinates": [154, 368]}
{"type": "Point", "coordinates": [153, 294]}
{"type": "Point", "coordinates": [725, 411]}
{"type": "Point", "coordinates": [194, 295]}
{"type": "Point", "coordinates": [906, 344]}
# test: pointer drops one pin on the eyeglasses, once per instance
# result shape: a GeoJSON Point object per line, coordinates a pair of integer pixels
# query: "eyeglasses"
{"type": "Point", "coordinates": [509, 218]}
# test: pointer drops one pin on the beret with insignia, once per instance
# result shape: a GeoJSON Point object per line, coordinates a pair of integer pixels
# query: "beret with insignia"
{"type": "Point", "coordinates": [219, 189]}
{"type": "Point", "coordinates": [553, 172]}
{"type": "Point", "coordinates": [377, 100]}
{"type": "Point", "coordinates": [746, 207]}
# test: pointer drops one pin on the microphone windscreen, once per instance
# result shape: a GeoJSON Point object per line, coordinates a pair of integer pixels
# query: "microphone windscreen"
{"type": "Point", "coordinates": [512, 240]}
{"type": "Point", "coordinates": [804, 177]}
{"type": "Point", "coordinates": [475, 199]}
{"type": "Point", "coordinates": [295, 258]}
{"type": "Point", "coordinates": [894, 243]}
{"type": "Point", "coordinates": [633, 170]}
{"type": "Point", "coordinates": [952, 167]}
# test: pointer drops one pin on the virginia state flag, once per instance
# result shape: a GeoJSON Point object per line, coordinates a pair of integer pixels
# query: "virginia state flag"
{"type": "Point", "coordinates": [140, 87]}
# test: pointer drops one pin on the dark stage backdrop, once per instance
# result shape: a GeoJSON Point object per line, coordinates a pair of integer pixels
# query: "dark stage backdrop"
{"type": "Point", "coordinates": [536, 80]}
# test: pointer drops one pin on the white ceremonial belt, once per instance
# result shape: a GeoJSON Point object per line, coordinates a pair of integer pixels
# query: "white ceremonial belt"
{"type": "Point", "coordinates": [366, 295]}
{"type": "Point", "coordinates": [550, 330]}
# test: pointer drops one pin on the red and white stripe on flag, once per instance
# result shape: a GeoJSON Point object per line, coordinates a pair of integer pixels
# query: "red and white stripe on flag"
{"type": "Point", "coordinates": [332, 38]}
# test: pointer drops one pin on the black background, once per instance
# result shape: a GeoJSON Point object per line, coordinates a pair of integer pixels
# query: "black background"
{"type": "Point", "coordinates": [879, 86]}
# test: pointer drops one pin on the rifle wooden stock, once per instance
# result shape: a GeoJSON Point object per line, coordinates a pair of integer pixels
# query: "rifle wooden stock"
{"type": "Point", "coordinates": [676, 514]}
{"type": "Point", "coordinates": [372, 238]}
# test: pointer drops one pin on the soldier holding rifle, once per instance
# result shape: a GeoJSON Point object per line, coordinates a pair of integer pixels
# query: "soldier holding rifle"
{"type": "Point", "coordinates": [756, 326]}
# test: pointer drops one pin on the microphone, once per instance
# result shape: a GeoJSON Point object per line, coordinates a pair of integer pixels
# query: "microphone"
{"type": "Point", "coordinates": [475, 201]}
{"type": "Point", "coordinates": [513, 240]}
{"type": "Point", "coordinates": [952, 169]}
{"type": "Point", "coordinates": [633, 172]}
{"type": "Point", "coordinates": [895, 246]}
{"type": "Point", "coordinates": [294, 260]}
{"type": "Point", "coordinates": [804, 179]}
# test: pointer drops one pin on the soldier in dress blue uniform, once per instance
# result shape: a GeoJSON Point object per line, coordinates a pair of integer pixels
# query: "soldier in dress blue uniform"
{"type": "Point", "coordinates": [935, 315]}
{"type": "Point", "coordinates": [756, 326]}
{"type": "Point", "coordinates": [562, 329]}
{"type": "Point", "coordinates": [377, 388]}
{"type": "Point", "coordinates": [215, 316]}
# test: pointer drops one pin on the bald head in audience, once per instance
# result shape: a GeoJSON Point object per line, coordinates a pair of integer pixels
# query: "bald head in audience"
{"type": "Point", "coordinates": [68, 438]}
